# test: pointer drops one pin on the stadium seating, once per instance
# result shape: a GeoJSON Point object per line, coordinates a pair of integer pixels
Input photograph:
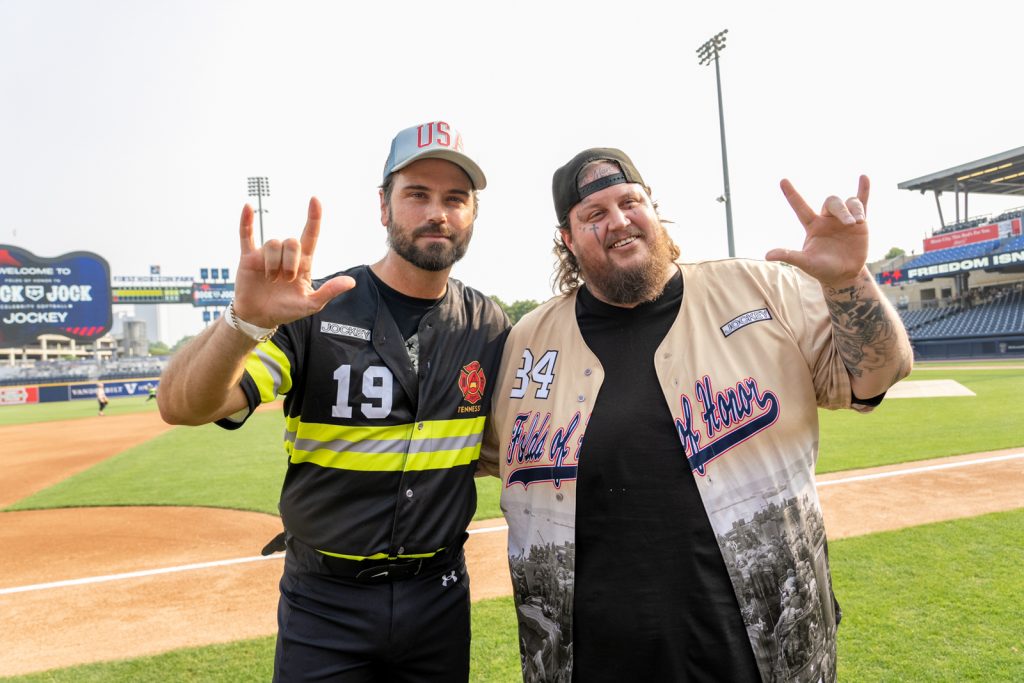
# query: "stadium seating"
{"type": "Point", "coordinates": [1014, 244]}
{"type": "Point", "coordinates": [967, 251]}
{"type": "Point", "coordinates": [69, 371]}
{"type": "Point", "coordinates": [913, 320]}
{"type": "Point", "coordinates": [1003, 315]}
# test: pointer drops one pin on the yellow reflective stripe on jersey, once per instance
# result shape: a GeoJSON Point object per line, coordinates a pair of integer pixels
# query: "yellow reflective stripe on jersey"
{"type": "Point", "coordinates": [270, 369]}
{"type": "Point", "coordinates": [427, 445]}
{"type": "Point", "coordinates": [381, 556]}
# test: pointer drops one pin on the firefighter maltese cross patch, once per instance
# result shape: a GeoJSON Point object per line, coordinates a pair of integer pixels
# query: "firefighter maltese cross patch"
{"type": "Point", "coordinates": [472, 382]}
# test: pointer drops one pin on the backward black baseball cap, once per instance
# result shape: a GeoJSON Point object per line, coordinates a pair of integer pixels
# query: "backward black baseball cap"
{"type": "Point", "coordinates": [565, 183]}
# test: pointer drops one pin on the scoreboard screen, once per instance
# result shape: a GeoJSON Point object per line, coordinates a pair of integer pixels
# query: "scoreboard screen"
{"type": "Point", "coordinates": [151, 295]}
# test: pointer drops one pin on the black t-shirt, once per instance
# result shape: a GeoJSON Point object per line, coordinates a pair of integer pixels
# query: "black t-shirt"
{"type": "Point", "coordinates": [653, 600]}
{"type": "Point", "coordinates": [407, 312]}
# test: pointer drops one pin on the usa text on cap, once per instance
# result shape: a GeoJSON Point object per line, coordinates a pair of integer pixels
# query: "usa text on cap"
{"type": "Point", "coordinates": [433, 140]}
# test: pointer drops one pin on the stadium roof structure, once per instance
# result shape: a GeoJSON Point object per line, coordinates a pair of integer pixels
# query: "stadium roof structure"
{"type": "Point", "coordinates": [999, 174]}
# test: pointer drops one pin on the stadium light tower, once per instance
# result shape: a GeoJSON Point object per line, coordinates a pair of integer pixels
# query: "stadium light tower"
{"type": "Point", "coordinates": [707, 53]}
{"type": "Point", "coordinates": [259, 187]}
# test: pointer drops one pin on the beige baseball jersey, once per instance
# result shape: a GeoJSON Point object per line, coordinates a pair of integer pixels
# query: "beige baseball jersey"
{"type": "Point", "coordinates": [744, 367]}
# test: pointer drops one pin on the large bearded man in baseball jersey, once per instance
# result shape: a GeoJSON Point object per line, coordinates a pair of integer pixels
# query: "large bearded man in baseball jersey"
{"type": "Point", "coordinates": [656, 430]}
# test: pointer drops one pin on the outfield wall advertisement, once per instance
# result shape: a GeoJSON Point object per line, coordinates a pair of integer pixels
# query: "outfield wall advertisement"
{"type": "Point", "coordinates": [55, 393]}
{"type": "Point", "coordinates": [67, 295]}
{"type": "Point", "coordinates": [16, 396]}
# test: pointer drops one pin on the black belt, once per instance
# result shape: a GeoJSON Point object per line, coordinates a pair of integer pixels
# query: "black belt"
{"type": "Point", "coordinates": [375, 571]}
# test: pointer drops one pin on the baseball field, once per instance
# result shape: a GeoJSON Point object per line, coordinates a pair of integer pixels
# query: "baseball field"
{"type": "Point", "coordinates": [131, 549]}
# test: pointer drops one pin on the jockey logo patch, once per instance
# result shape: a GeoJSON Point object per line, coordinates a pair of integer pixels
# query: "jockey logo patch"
{"type": "Point", "coordinates": [745, 319]}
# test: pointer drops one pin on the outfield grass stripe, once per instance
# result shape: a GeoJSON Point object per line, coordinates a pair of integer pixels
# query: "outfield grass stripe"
{"type": "Point", "coordinates": [919, 470]}
{"type": "Point", "coordinates": [135, 575]}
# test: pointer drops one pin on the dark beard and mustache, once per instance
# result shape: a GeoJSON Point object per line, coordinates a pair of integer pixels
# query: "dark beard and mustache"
{"type": "Point", "coordinates": [436, 256]}
{"type": "Point", "coordinates": [636, 284]}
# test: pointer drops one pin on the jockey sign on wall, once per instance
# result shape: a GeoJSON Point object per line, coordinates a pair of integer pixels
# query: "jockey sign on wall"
{"type": "Point", "coordinates": [68, 295]}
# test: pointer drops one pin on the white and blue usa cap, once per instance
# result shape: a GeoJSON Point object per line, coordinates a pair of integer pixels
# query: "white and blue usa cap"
{"type": "Point", "coordinates": [433, 140]}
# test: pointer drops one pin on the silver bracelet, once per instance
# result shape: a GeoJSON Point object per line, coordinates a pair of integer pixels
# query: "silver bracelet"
{"type": "Point", "coordinates": [254, 332]}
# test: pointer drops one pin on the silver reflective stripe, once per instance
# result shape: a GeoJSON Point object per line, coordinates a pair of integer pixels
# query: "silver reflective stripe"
{"type": "Point", "coordinates": [272, 367]}
{"type": "Point", "coordinates": [450, 443]}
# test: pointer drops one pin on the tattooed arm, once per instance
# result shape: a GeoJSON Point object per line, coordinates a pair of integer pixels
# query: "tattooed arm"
{"type": "Point", "coordinates": [868, 332]}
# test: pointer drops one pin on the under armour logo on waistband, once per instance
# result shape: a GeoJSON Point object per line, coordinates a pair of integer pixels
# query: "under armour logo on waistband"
{"type": "Point", "coordinates": [449, 577]}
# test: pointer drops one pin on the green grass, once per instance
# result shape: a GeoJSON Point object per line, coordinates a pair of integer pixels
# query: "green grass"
{"type": "Point", "coordinates": [244, 660]}
{"type": "Point", "coordinates": [72, 410]}
{"type": "Point", "coordinates": [203, 466]}
{"type": "Point", "coordinates": [494, 658]}
{"type": "Point", "coordinates": [243, 469]}
{"type": "Point", "coordinates": [200, 466]}
{"type": "Point", "coordinates": [903, 430]}
{"type": "Point", "coordinates": [488, 498]}
{"type": "Point", "coordinates": [939, 603]}
{"type": "Point", "coordinates": [934, 603]}
{"type": "Point", "coordinates": [933, 364]}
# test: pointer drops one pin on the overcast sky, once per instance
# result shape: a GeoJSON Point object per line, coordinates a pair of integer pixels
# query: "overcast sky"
{"type": "Point", "coordinates": [129, 128]}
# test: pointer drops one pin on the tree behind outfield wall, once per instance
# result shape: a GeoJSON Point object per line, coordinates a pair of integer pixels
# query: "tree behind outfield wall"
{"type": "Point", "coordinates": [517, 309]}
{"type": "Point", "coordinates": [158, 348]}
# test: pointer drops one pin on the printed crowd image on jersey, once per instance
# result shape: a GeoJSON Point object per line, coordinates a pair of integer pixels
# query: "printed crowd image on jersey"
{"type": "Point", "coordinates": [773, 542]}
{"type": "Point", "coordinates": [544, 572]}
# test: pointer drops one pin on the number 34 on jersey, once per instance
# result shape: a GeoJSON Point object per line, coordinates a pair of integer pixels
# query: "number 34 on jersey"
{"type": "Point", "coordinates": [539, 373]}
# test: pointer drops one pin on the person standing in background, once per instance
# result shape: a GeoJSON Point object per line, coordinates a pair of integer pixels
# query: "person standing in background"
{"type": "Point", "coordinates": [101, 397]}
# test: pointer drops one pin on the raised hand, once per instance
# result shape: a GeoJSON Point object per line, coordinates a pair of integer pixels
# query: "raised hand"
{"type": "Point", "coordinates": [273, 282]}
{"type": "Point", "coordinates": [835, 241]}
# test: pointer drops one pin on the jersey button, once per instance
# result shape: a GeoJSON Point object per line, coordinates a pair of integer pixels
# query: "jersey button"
{"type": "Point", "coordinates": [401, 550]}
{"type": "Point", "coordinates": [587, 372]}
{"type": "Point", "coordinates": [408, 493]}
{"type": "Point", "coordinates": [419, 426]}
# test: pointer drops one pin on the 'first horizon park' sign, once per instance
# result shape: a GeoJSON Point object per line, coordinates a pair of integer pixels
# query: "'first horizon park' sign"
{"type": "Point", "coordinates": [68, 295]}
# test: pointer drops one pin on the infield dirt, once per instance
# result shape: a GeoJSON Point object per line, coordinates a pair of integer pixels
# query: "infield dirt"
{"type": "Point", "coordinates": [107, 616]}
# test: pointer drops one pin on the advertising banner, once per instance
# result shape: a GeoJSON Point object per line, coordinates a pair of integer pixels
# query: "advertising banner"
{"type": "Point", "coordinates": [1010, 228]}
{"type": "Point", "coordinates": [982, 233]}
{"type": "Point", "coordinates": [990, 262]}
{"type": "Point", "coordinates": [67, 295]}
{"type": "Point", "coordinates": [12, 396]}
{"type": "Point", "coordinates": [212, 293]}
{"type": "Point", "coordinates": [113, 389]}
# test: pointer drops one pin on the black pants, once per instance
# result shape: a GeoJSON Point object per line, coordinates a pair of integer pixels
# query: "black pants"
{"type": "Point", "coordinates": [333, 628]}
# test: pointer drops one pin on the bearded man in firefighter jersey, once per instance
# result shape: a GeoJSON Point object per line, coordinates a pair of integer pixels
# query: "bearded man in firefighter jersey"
{"type": "Point", "coordinates": [386, 372]}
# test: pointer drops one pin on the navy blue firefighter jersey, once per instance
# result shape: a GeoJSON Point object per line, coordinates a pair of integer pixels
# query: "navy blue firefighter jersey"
{"type": "Point", "coordinates": [382, 433]}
